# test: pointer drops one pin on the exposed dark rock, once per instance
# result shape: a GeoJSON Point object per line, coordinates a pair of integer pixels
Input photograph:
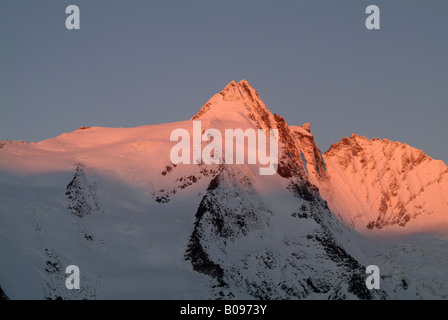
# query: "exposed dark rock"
{"type": "Point", "coordinates": [81, 194]}
{"type": "Point", "coordinates": [3, 295]}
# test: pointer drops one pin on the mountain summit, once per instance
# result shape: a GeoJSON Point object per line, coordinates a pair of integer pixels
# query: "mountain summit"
{"type": "Point", "coordinates": [378, 184]}
{"type": "Point", "coordinates": [237, 97]}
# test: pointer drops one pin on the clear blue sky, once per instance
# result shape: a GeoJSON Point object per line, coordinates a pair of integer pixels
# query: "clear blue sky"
{"type": "Point", "coordinates": [146, 62]}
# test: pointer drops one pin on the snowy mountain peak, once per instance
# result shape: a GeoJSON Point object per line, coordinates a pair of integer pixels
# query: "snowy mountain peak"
{"type": "Point", "coordinates": [111, 201]}
{"type": "Point", "coordinates": [219, 102]}
{"type": "Point", "coordinates": [378, 183]}
{"type": "Point", "coordinates": [356, 144]}
{"type": "Point", "coordinates": [236, 100]}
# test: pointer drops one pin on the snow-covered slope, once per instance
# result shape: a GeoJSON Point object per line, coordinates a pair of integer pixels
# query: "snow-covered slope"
{"type": "Point", "coordinates": [110, 201]}
{"type": "Point", "coordinates": [378, 184]}
{"type": "Point", "coordinates": [381, 184]}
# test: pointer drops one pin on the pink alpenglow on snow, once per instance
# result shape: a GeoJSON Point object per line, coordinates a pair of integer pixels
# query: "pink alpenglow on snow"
{"type": "Point", "coordinates": [377, 185]}
{"type": "Point", "coordinates": [212, 153]}
{"type": "Point", "coordinates": [254, 218]}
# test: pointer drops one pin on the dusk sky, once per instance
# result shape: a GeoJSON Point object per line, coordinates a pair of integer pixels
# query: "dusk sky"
{"type": "Point", "coordinates": [135, 63]}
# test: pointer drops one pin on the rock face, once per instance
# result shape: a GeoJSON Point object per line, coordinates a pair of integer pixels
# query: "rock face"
{"type": "Point", "coordinates": [310, 154]}
{"type": "Point", "coordinates": [81, 194]}
{"type": "Point", "coordinates": [303, 264]}
{"type": "Point", "coordinates": [375, 184]}
{"type": "Point", "coordinates": [233, 241]}
{"type": "Point", "coordinates": [3, 295]}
